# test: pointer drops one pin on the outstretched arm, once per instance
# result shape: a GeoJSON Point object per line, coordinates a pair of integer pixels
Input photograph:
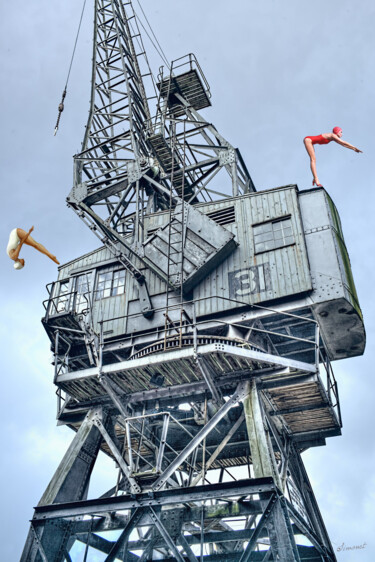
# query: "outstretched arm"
{"type": "Point", "coordinates": [22, 241]}
{"type": "Point", "coordinates": [344, 143]}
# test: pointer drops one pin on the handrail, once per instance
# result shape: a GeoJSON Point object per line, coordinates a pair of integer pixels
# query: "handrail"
{"type": "Point", "coordinates": [195, 325]}
{"type": "Point", "coordinates": [218, 321]}
{"type": "Point", "coordinates": [191, 60]}
{"type": "Point", "coordinates": [331, 386]}
{"type": "Point", "coordinates": [55, 300]}
{"type": "Point", "coordinates": [192, 328]}
{"type": "Point", "coordinates": [194, 301]}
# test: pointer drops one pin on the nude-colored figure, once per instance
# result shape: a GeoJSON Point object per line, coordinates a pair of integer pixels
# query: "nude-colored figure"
{"type": "Point", "coordinates": [325, 138]}
{"type": "Point", "coordinates": [17, 238]}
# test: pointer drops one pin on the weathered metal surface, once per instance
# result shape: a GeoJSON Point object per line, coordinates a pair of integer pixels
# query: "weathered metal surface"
{"type": "Point", "coordinates": [334, 296]}
{"type": "Point", "coordinates": [316, 264]}
{"type": "Point", "coordinates": [243, 276]}
{"type": "Point", "coordinates": [238, 384]}
{"type": "Point", "coordinates": [168, 497]}
{"type": "Point", "coordinates": [188, 247]}
{"type": "Point", "coordinates": [253, 278]}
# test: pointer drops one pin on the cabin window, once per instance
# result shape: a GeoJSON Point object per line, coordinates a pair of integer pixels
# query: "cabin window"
{"type": "Point", "coordinates": [82, 292]}
{"type": "Point", "coordinates": [72, 295]}
{"type": "Point", "coordinates": [62, 303]}
{"type": "Point", "coordinates": [110, 283]}
{"type": "Point", "coordinates": [273, 234]}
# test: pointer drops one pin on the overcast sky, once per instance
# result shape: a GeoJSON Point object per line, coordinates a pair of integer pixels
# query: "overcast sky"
{"type": "Point", "coordinates": [279, 70]}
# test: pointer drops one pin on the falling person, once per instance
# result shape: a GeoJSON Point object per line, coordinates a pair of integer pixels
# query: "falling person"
{"type": "Point", "coordinates": [325, 138]}
{"type": "Point", "coordinates": [17, 238]}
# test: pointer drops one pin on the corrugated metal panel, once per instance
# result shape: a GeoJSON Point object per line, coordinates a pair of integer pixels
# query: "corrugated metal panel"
{"type": "Point", "coordinates": [317, 262]}
{"type": "Point", "coordinates": [205, 244]}
{"type": "Point", "coordinates": [112, 311]}
{"type": "Point", "coordinates": [252, 278]}
{"type": "Point", "coordinates": [88, 261]}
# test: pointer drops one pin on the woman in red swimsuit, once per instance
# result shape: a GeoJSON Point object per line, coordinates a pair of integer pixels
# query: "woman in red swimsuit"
{"type": "Point", "coordinates": [325, 138]}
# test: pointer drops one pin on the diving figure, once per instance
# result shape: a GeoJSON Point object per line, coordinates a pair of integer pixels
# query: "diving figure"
{"type": "Point", "coordinates": [324, 138]}
{"type": "Point", "coordinates": [17, 238]}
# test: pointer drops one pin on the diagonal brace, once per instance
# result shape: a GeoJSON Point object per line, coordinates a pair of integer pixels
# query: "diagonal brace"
{"type": "Point", "coordinates": [207, 375]}
{"type": "Point", "coordinates": [220, 447]}
{"type": "Point", "coordinates": [262, 521]}
{"type": "Point", "coordinates": [238, 395]}
{"type": "Point", "coordinates": [116, 453]}
{"type": "Point", "coordinates": [166, 536]}
{"type": "Point", "coordinates": [38, 544]}
{"type": "Point", "coordinates": [132, 523]}
{"type": "Point", "coordinates": [107, 385]}
{"type": "Point", "coordinates": [185, 545]}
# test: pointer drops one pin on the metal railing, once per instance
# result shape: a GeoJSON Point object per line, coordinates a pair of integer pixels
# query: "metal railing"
{"type": "Point", "coordinates": [158, 444]}
{"type": "Point", "coordinates": [186, 327]}
{"type": "Point", "coordinates": [68, 302]}
{"type": "Point", "coordinates": [190, 61]}
{"type": "Point", "coordinates": [193, 326]}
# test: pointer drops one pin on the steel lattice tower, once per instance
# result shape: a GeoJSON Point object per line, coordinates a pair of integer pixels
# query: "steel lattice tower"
{"type": "Point", "coordinates": [193, 347]}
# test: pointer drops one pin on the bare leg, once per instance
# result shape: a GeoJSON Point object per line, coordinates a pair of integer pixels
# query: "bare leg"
{"type": "Point", "coordinates": [311, 152]}
{"type": "Point", "coordinates": [31, 242]}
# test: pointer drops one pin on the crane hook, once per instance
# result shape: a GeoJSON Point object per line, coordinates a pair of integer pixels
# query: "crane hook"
{"type": "Point", "coordinates": [60, 109]}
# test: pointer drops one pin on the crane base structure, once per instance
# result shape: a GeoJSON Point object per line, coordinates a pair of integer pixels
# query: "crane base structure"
{"type": "Point", "coordinates": [220, 480]}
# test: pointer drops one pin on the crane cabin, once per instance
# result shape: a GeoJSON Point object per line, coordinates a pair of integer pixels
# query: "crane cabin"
{"type": "Point", "coordinates": [265, 271]}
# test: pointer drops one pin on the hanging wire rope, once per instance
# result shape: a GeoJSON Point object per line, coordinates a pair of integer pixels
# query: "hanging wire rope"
{"type": "Point", "coordinates": [61, 104]}
{"type": "Point", "coordinates": [158, 50]}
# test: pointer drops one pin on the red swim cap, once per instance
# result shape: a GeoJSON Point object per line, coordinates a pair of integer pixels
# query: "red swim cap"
{"type": "Point", "coordinates": [336, 130]}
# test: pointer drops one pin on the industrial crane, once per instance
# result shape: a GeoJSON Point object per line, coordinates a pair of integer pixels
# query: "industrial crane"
{"type": "Point", "coordinates": [194, 346]}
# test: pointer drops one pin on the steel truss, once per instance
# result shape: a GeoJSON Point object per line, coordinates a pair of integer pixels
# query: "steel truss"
{"type": "Point", "coordinates": [178, 447]}
{"type": "Point", "coordinates": [171, 499]}
{"type": "Point", "coordinates": [130, 159]}
{"type": "Point", "coordinates": [136, 160]}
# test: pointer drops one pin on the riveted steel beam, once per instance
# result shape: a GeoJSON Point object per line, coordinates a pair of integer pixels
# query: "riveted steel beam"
{"type": "Point", "coordinates": [240, 488]}
{"type": "Point", "coordinates": [166, 536]}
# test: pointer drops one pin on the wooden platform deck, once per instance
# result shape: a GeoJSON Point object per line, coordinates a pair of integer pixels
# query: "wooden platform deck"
{"type": "Point", "coordinates": [304, 407]}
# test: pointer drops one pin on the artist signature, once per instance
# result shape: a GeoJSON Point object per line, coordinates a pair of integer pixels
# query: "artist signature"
{"type": "Point", "coordinates": [356, 547]}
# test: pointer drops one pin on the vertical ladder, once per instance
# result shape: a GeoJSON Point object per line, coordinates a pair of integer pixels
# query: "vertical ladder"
{"type": "Point", "coordinates": [176, 242]}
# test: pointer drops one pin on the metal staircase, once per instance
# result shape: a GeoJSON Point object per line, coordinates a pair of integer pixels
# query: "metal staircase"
{"type": "Point", "coordinates": [171, 166]}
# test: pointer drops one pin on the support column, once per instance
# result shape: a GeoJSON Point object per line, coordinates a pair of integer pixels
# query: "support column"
{"type": "Point", "coordinates": [261, 455]}
{"type": "Point", "coordinates": [69, 483]}
{"type": "Point", "coordinates": [282, 542]}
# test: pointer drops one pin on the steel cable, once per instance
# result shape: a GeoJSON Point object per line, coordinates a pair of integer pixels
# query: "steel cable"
{"type": "Point", "coordinates": [61, 105]}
